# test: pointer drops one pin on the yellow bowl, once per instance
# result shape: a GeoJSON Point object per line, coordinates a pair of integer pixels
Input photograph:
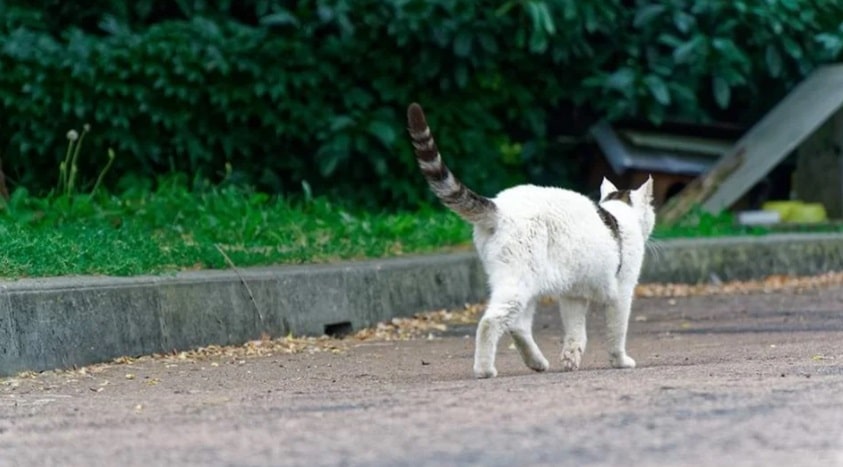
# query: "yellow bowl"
{"type": "Point", "coordinates": [808, 213]}
{"type": "Point", "coordinates": [784, 208]}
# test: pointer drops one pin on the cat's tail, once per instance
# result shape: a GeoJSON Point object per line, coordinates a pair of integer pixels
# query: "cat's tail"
{"type": "Point", "coordinates": [459, 198]}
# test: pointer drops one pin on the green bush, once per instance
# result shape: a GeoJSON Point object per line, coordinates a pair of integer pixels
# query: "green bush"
{"type": "Point", "coordinates": [315, 91]}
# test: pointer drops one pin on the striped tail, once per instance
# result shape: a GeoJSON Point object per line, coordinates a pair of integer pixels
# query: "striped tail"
{"type": "Point", "coordinates": [459, 198]}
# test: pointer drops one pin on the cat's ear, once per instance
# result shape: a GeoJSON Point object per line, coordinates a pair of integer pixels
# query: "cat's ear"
{"type": "Point", "coordinates": [606, 187]}
{"type": "Point", "coordinates": [645, 191]}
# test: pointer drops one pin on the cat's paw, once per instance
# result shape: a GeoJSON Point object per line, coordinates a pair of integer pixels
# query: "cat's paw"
{"type": "Point", "coordinates": [622, 361]}
{"type": "Point", "coordinates": [485, 372]}
{"type": "Point", "coordinates": [571, 358]}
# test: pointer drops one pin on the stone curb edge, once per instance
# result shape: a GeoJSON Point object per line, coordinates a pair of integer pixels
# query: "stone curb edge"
{"type": "Point", "coordinates": [69, 321]}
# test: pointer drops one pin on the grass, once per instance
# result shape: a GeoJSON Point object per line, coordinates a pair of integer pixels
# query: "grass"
{"type": "Point", "coordinates": [173, 228]}
{"type": "Point", "coordinates": [698, 224]}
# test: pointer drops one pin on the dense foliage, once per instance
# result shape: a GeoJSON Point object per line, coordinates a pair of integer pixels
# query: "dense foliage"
{"type": "Point", "coordinates": [315, 91]}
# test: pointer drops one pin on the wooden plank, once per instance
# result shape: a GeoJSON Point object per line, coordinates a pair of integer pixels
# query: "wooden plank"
{"type": "Point", "coordinates": [668, 142]}
{"type": "Point", "coordinates": [623, 157]}
{"type": "Point", "coordinates": [810, 104]}
{"type": "Point", "coordinates": [700, 188]}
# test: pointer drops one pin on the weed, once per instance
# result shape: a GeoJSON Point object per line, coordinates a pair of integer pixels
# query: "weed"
{"type": "Point", "coordinates": [69, 167]}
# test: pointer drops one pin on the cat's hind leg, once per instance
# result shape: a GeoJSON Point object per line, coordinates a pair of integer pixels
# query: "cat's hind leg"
{"type": "Point", "coordinates": [574, 312]}
{"type": "Point", "coordinates": [522, 334]}
{"type": "Point", "coordinates": [617, 322]}
{"type": "Point", "coordinates": [502, 313]}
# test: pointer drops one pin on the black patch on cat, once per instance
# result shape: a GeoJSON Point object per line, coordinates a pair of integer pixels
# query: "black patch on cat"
{"type": "Point", "coordinates": [612, 223]}
{"type": "Point", "coordinates": [620, 195]}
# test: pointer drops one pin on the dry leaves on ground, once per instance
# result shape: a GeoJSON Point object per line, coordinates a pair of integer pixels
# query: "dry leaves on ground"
{"type": "Point", "coordinates": [769, 284]}
{"type": "Point", "coordinates": [421, 324]}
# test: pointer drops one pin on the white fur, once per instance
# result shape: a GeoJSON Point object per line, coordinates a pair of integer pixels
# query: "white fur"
{"type": "Point", "coordinates": [552, 242]}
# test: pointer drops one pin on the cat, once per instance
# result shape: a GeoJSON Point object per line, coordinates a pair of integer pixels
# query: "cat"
{"type": "Point", "coordinates": [541, 241]}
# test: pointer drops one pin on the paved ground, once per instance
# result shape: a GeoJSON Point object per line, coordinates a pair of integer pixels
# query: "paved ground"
{"type": "Point", "coordinates": [728, 380]}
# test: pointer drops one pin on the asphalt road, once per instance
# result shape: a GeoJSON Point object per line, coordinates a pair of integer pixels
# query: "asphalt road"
{"type": "Point", "coordinates": [725, 380]}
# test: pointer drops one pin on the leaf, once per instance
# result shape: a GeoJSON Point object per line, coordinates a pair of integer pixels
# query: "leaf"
{"type": "Point", "coordinates": [683, 21]}
{"type": "Point", "coordinates": [538, 41]}
{"type": "Point", "coordinates": [341, 122]}
{"type": "Point", "coordinates": [792, 47]}
{"type": "Point", "coordinates": [570, 10]}
{"type": "Point", "coordinates": [656, 115]}
{"type": "Point", "coordinates": [358, 97]}
{"type": "Point", "coordinates": [725, 46]}
{"type": "Point", "coordinates": [722, 92]}
{"type": "Point", "coordinates": [682, 54]}
{"type": "Point", "coordinates": [732, 76]}
{"type": "Point", "coordinates": [462, 44]}
{"type": "Point", "coordinates": [538, 32]}
{"type": "Point", "coordinates": [621, 79]}
{"type": "Point", "coordinates": [383, 131]}
{"type": "Point", "coordinates": [683, 94]}
{"type": "Point", "coordinates": [113, 26]}
{"type": "Point", "coordinates": [591, 21]}
{"type": "Point", "coordinates": [546, 19]}
{"type": "Point", "coordinates": [280, 18]}
{"type": "Point", "coordinates": [658, 89]}
{"type": "Point", "coordinates": [533, 12]}
{"type": "Point", "coordinates": [774, 60]}
{"type": "Point", "coordinates": [791, 5]}
{"type": "Point", "coordinates": [830, 42]}
{"type": "Point", "coordinates": [670, 40]}
{"type": "Point", "coordinates": [731, 53]}
{"type": "Point", "coordinates": [504, 9]}
{"type": "Point", "coordinates": [461, 75]}
{"type": "Point", "coordinates": [331, 154]}
{"type": "Point", "coordinates": [646, 14]}
{"type": "Point", "coordinates": [487, 41]}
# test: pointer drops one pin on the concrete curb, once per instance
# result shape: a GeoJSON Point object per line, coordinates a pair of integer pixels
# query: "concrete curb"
{"type": "Point", "coordinates": [62, 322]}
{"type": "Point", "coordinates": [742, 258]}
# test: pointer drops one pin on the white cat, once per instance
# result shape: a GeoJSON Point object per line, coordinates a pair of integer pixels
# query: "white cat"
{"type": "Point", "coordinates": [540, 241]}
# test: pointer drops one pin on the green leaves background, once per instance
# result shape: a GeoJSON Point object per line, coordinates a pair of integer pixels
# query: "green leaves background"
{"type": "Point", "coordinates": [315, 91]}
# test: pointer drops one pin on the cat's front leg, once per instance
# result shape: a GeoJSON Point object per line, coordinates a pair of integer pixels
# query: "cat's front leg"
{"type": "Point", "coordinates": [617, 322]}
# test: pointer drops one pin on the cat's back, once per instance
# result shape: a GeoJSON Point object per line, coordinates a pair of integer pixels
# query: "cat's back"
{"type": "Point", "coordinates": [531, 201]}
{"type": "Point", "coordinates": [554, 231]}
